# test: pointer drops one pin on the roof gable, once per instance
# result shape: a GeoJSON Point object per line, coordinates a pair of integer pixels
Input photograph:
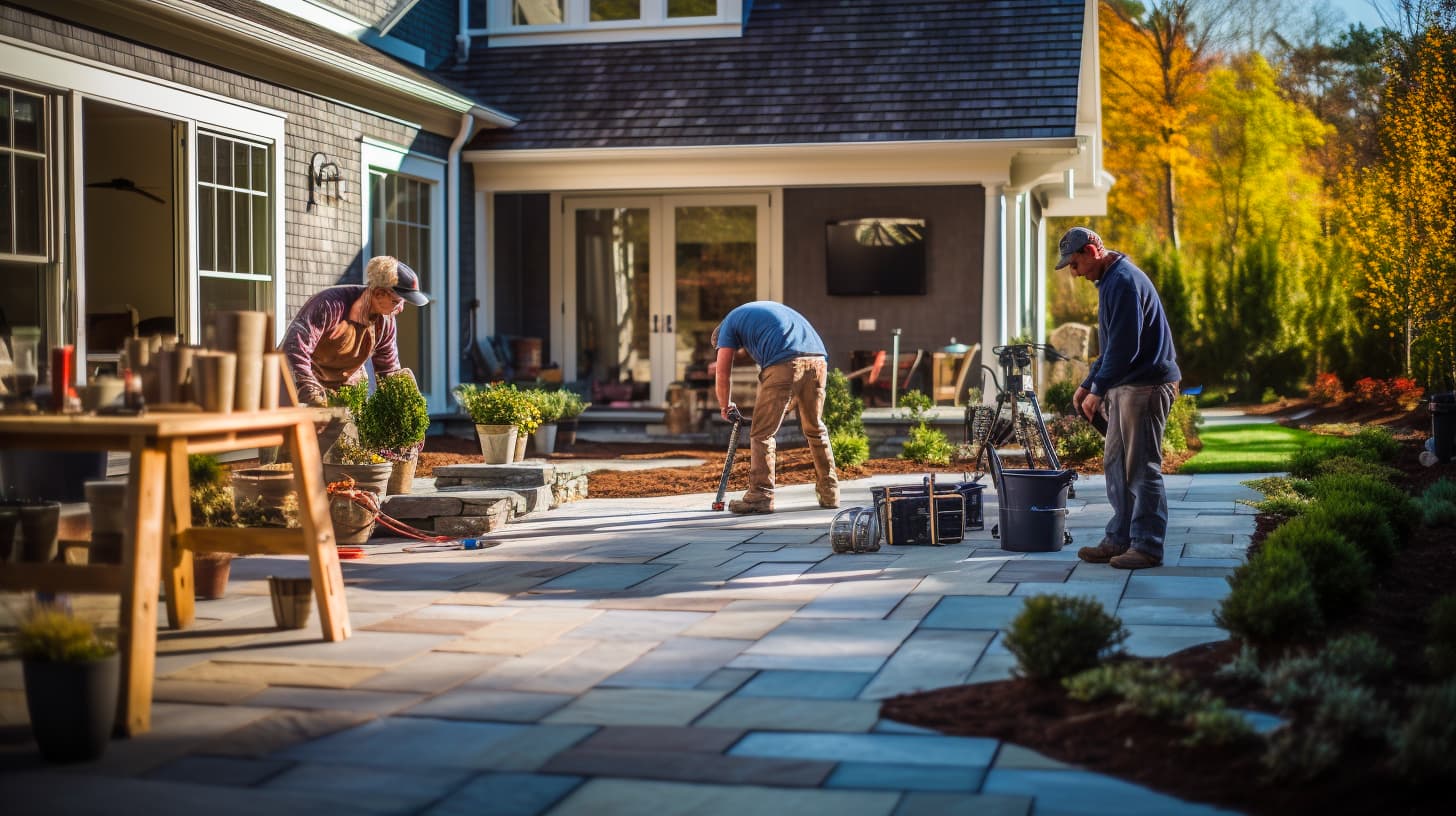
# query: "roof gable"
{"type": "Point", "coordinates": [805, 71]}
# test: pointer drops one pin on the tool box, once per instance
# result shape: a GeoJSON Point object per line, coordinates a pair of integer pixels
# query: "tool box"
{"type": "Point", "coordinates": [928, 513]}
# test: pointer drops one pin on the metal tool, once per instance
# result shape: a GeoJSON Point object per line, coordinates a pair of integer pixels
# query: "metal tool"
{"type": "Point", "coordinates": [737, 419]}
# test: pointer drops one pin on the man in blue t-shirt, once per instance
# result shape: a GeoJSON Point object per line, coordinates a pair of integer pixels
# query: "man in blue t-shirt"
{"type": "Point", "coordinates": [1133, 383]}
{"type": "Point", "coordinates": [795, 367]}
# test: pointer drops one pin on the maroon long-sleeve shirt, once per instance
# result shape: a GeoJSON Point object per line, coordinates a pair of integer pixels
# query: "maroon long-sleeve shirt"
{"type": "Point", "coordinates": [327, 350]}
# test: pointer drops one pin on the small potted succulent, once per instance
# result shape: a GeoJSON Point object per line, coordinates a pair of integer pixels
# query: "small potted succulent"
{"type": "Point", "coordinates": [393, 422]}
{"type": "Point", "coordinates": [71, 684]}
{"type": "Point", "coordinates": [572, 407]}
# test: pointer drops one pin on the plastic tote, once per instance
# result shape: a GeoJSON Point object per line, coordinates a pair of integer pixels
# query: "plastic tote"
{"type": "Point", "coordinates": [1443, 425]}
{"type": "Point", "coordinates": [1033, 509]}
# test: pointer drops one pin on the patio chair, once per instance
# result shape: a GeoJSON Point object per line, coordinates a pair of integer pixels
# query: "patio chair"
{"type": "Point", "coordinates": [876, 390]}
{"type": "Point", "coordinates": [955, 391]}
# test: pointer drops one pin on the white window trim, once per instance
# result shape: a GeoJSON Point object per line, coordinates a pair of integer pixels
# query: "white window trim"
{"type": "Point", "coordinates": [378, 155]}
{"type": "Point", "coordinates": [578, 28]}
{"type": "Point", "coordinates": [90, 79]}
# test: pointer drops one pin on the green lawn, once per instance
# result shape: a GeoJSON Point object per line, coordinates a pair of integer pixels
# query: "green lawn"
{"type": "Point", "coordinates": [1249, 448]}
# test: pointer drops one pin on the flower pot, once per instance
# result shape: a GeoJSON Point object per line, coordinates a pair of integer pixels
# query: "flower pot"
{"type": "Point", "coordinates": [374, 478]}
{"type": "Point", "coordinates": [353, 524]}
{"type": "Point", "coordinates": [267, 487]}
{"type": "Point", "coordinates": [565, 433]}
{"type": "Point", "coordinates": [9, 524]}
{"type": "Point", "coordinates": [544, 439]}
{"type": "Point", "coordinates": [210, 573]}
{"type": "Point", "coordinates": [292, 601]}
{"type": "Point", "coordinates": [401, 476]}
{"type": "Point", "coordinates": [72, 706]}
{"type": "Point", "coordinates": [521, 440]}
{"type": "Point", "coordinates": [107, 500]}
{"type": "Point", "coordinates": [497, 443]}
{"type": "Point", "coordinates": [39, 529]}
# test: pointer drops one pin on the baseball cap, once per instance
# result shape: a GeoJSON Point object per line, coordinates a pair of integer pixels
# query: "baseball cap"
{"type": "Point", "coordinates": [1073, 240]}
{"type": "Point", "coordinates": [408, 286]}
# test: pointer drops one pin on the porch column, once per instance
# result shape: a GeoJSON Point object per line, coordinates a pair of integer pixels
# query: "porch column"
{"type": "Point", "coordinates": [993, 283]}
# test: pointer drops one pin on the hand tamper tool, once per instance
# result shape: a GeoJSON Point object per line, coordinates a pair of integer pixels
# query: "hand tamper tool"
{"type": "Point", "coordinates": [737, 419]}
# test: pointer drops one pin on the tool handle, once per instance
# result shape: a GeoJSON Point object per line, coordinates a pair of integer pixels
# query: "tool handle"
{"type": "Point", "coordinates": [728, 463]}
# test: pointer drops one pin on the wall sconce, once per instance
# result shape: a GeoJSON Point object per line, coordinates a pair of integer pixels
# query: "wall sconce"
{"type": "Point", "coordinates": [325, 180]}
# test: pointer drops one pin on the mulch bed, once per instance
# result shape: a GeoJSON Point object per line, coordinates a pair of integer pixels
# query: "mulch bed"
{"type": "Point", "coordinates": [1149, 752]}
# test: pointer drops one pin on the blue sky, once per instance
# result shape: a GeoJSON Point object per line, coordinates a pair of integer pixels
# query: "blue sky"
{"type": "Point", "coordinates": [1358, 11]}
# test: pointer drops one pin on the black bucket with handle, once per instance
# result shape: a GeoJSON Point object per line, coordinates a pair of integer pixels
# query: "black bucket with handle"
{"type": "Point", "coordinates": [1033, 509]}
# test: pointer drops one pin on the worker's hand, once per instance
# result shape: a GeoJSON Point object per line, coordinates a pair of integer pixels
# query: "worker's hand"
{"type": "Point", "coordinates": [730, 412]}
{"type": "Point", "coordinates": [1077, 397]}
{"type": "Point", "coordinates": [1090, 406]}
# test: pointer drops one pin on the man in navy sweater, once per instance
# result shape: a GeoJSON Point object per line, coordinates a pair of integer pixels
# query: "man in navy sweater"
{"type": "Point", "coordinates": [1132, 383]}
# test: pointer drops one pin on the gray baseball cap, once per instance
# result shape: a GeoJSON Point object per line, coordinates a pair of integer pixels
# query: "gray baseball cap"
{"type": "Point", "coordinates": [1073, 241]}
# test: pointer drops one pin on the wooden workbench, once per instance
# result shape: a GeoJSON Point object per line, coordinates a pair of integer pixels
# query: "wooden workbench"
{"type": "Point", "coordinates": [159, 540]}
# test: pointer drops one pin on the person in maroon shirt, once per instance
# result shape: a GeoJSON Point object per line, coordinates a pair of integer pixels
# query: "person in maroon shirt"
{"type": "Point", "coordinates": [342, 327]}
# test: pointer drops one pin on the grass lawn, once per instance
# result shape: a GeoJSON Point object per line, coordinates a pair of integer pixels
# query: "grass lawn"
{"type": "Point", "coordinates": [1250, 448]}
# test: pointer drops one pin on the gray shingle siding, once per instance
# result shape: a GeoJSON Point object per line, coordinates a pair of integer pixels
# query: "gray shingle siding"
{"type": "Point", "coordinates": [804, 71]}
{"type": "Point", "coordinates": [431, 25]}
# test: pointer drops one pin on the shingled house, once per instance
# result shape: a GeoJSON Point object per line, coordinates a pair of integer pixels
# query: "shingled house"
{"type": "Point", "coordinates": [876, 164]}
{"type": "Point", "coordinates": [610, 176]}
{"type": "Point", "coordinates": [171, 158]}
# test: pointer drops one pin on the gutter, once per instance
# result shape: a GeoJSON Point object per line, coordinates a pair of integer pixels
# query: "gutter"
{"type": "Point", "coordinates": [452, 247]}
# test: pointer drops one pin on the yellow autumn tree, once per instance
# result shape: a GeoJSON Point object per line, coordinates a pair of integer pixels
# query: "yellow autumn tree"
{"type": "Point", "coordinates": [1400, 213]}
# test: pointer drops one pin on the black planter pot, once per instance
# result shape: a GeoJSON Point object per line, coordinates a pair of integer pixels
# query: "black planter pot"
{"type": "Point", "coordinates": [72, 706]}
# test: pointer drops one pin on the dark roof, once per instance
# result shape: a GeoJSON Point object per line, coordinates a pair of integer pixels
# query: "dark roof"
{"type": "Point", "coordinates": [804, 71]}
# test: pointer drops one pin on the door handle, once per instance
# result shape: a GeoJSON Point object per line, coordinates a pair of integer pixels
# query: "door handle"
{"type": "Point", "coordinates": [669, 324]}
{"type": "Point", "coordinates": [655, 328]}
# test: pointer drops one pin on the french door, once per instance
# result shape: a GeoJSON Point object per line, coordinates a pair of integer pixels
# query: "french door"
{"type": "Point", "coordinates": [646, 280]}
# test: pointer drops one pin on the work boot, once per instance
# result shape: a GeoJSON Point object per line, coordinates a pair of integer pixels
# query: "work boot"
{"type": "Point", "coordinates": [1105, 551]}
{"type": "Point", "coordinates": [829, 501]}
{"type": "Point", "coordinates": [747, 508]}
{"type": "Point", "coordinates": [1135, 560]}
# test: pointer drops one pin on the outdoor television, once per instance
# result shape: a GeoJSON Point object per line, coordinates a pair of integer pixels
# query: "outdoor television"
{"type": "Point", "coordinates": [876, 256]}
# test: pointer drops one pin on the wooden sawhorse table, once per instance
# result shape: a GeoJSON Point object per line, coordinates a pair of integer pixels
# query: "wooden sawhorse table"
{"type": "Point", "coordinates": [159, 540]}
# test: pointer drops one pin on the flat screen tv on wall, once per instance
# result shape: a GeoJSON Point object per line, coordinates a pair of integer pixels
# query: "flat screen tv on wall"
{"type": "Point", "coordinates": [876, 256]}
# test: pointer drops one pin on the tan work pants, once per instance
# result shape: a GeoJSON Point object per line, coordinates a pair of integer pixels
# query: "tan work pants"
{"type": "Point", "coordinates": [793, 383]}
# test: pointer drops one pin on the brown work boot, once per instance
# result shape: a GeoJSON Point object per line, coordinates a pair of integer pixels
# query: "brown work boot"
{"type": "Point", "coordinates": [829, 501]}
{"type": "Point", "coordinates": [1134, 560]}
{"type": "Point", "coordinates": [1105, 551]}
{"type": "Point", "coordinates": [746, 508]}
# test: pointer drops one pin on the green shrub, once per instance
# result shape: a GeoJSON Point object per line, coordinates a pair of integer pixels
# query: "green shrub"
{"type": "Point", "coordinates": [498, 404]}
{"type": "Point", "coordinates": [1287, 506]}
{"type": "Point", "coordinates": [916, 404]}
{"type": "Point", "coordinates": [1076, 439]}
{"type": "Point", "coordinates": [843, 412]}
{"type": "Point", "coordinates": [1441, 636]}
{"type": "Point", "coordinates": [1115, 679]}
{"type": "Point", "coordinates": [395, 418]}
{"type": "Point", "coordinates": [1299, 754]}
{"type": "Point", "coordinates": [850, 448]}
{"type": "Point", "coordinates": [1377, 443]}
{"type": "Point", "coordinates": [1244, 667]}
{"type": "Point", "coordinates": [1425, 746]}
{"type": "Point", "coordinates": [1359, 657]}
{"type": "Point", "coordinates": [927, 445]}
{"type": "Point", "coordinates": [1437, 504]}
{"type": "Point", "coordinates": [1215, 724]}
{"type": "Point", "coordinates": [1363, 523]}
{"type": "Point", "coordinates": [56, 636]}
{"type": "Point", "coordinates": [1181, 431]}
{"type": "Point", "coordinates": [1270, 396]}
{"type": "Point", "coordinates": [1338, 571]}
{"type": "Point", "coordinates": [1056, 636]}
{"type": "Point", "coordinates": [1358, 466]}
{"type": "Point", "coordinates": [1343, 713]}
{"type": "Point", "coordinates": [351, 396]}
{"type": "Point", "coordinates": [1301, 677]}
{"type": "Point", "coordinates": [1442, 490]}
{"type": "Point", "coordinates": [1058, 397]}
{"type": "Point", "coordinates": [1271, 600]}
{"type": "Point", "coordinates": [572, 404]}
{"type": "Point", "coordinates": [205, 469]}
{"type": "Point", "coordinates": [1343, 488]}
{"type": "Point", "coordinates": [1212, 399]}
{"type": "Point", "coordinates": [549, 404]}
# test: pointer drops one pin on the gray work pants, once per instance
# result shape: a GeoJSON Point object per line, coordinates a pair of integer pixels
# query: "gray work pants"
{"type": "Point", "coordinates": [1133, 462]}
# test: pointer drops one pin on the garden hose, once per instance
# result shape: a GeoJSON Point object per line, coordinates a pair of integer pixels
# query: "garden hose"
{"type": "Point", "coordinates": [370, 501]}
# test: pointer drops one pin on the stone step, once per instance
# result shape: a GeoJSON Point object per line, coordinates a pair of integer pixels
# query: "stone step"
{"type": "Point", "coordinates": [540, 483]}
{"type": "Point", "coordinates": [459, 512]}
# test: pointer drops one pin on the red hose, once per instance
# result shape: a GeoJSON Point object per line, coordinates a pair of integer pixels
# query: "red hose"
{"type": "Point", "coordinates": [368, 500]}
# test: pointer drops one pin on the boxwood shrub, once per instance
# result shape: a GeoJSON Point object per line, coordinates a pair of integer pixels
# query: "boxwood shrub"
{"type": "Point", "coordinates": [1056, 636]}
{"type": "Point", "coordinates": [1441, 636]}
{"type": "Point", "coordinates": [1343, 488]}
{"type": "Point", "coordinates": [1271, 600]}
{"type": "Point", "coordinates": [1338, 571]}
{"type": "Point", "coordinates": [1364, 523]}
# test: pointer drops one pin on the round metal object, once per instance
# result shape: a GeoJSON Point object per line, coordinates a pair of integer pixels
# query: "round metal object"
{"type": "Point", "coordinates": [855, 530]}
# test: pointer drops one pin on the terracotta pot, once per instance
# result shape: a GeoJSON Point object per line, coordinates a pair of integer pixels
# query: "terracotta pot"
{"type": "Point", "coordinates": [72, 706]}
{"type": "Point", "coordinates": [270, 486]}
{"type": "Point", "coordinates": [497, 443]}
{"type": "Point", "coordinates": [374, 478]}
{"type": "Point", "coordinates": [353, 524]}
{"type": "Point", "coordinates": [520, 453]}
{"type": "Point", "coordinates": [210, 574]}
{"type": "Point", "coordinates": [401, 475]}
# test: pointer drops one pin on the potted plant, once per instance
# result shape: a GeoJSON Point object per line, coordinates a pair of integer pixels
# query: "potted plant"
{"type": "Point", "coordinates": [572, 407]}
{"type": "Point", "coordinates": [352, 455]}
{"type": "Point", "coordinates": [212, 506]}
{"type": "Point", "coordinates": [550, 405]}
{"type": "Point", "coordinates": [393, 422]}
{"type": "Point", "coordinates": [71, 684]}
{"type": "Point", "coordinates": [500, 413]}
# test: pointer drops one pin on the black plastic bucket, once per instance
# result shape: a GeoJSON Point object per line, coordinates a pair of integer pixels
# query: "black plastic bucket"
{"type": "Point", "coordinates": [1443, 424]}
{"type": "Point", "coordinates": [1033, 509]}
{"type": "Point", "coordinates": [43, 474]}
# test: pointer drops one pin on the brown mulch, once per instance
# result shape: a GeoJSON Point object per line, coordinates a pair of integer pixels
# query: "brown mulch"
{"type": "Point", "coordinates": [1151, 753]}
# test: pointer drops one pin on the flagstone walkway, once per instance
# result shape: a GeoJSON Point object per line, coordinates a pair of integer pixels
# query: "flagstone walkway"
{"type": "Point", "coordinates": [640, 656]}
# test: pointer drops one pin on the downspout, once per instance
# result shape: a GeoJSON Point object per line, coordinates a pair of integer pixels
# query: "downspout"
{"type": "Point", "coordinates": [452, 249]}
{"type": "Point", "coordinates": [462, 37]}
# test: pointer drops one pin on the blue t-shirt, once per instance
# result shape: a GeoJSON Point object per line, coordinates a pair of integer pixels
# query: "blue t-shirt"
{"type": "Point", "coordinates": [771, 332]}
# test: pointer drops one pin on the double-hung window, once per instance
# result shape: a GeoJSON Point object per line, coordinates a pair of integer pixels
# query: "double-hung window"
{"type": "Point", "coordinates": [234, 225]}
{"type": "Point", "coordinates": [26, 248]}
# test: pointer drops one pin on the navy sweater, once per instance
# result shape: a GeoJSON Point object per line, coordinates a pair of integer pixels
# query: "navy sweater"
{"type": "Point", "coordinates": [1137, 345]}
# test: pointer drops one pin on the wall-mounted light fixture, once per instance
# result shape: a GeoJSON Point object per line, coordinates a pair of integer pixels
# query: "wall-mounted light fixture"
{"type": "Point", "coordinates": [325, 180]}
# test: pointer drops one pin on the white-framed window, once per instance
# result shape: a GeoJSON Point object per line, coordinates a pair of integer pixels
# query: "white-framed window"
{"type": "Point", "coordinates": [234, 225]}
{"type": "Point", "coordinates": [533, 22]}
{"type": "Point", "coordinates": [404, 216]}
{"type": "Point", "coordinates": [24, 170]}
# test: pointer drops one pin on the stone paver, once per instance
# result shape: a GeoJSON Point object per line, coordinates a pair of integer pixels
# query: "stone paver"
{"type": "Point", "coordinates": [637, 656]}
